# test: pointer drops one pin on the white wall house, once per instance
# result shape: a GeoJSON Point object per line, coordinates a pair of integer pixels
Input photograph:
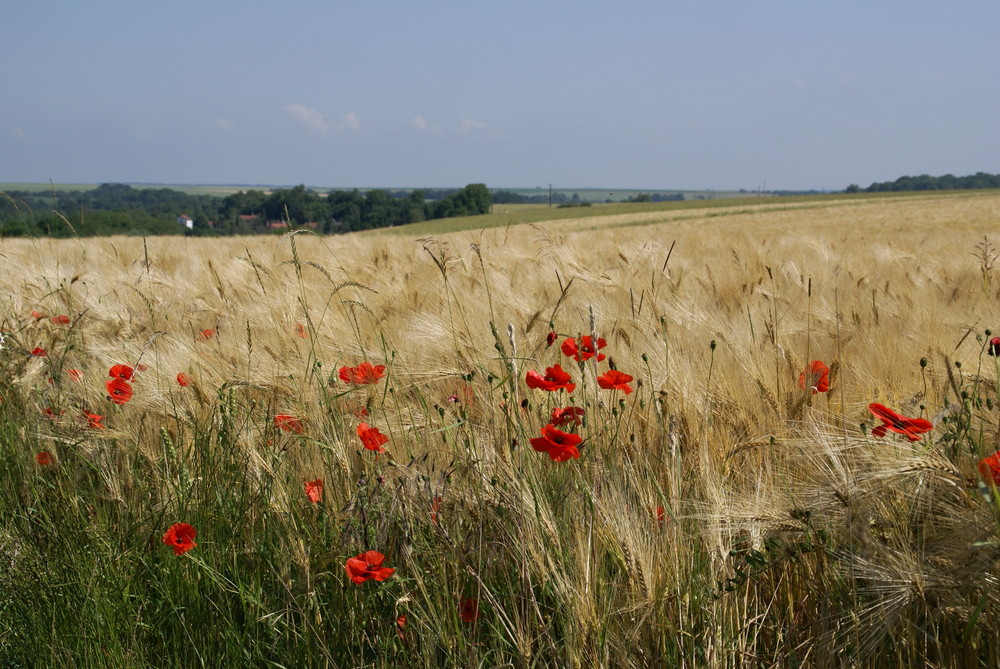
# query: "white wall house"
{"type": "Point", "coordinates": [186, 221]}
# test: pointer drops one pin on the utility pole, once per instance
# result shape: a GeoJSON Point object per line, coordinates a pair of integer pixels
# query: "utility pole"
{"type": "Point", "coordinates": [550, 196]}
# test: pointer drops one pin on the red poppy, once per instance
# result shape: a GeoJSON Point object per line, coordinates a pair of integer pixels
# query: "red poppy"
{"type": "Point", "coordinates": [556, 378]}
{"type": "Point", "coordinates": [314, 490]}
{"type": "Point", "coordinates": [74, 374]}
{"type": "Point", "coordinates": [562, 416]}
{"type": "Point", "coordinates": [586, 349]}
{"type": "Point", "coordinates": [400, 624]}
{"type": "Point", "coordinates": [560, 446]}
{"type": "Point", "coordinates": [121, 372]}
{"type": "Point", "coordinates": [51, 413]}
{"type": "Point", "coordinates": [119, 390]}
{"type": "Point", "coordinates": [661, 517]}
{"type": "Point", "coordinates": [550, 339]}
{"type": "Point", "coordinates": [371, 438]}
{"type": "Point", "coordinates": [615, 380]}
{"type": "Point", "coordinates": [911, 428]}
{"type": "Point", "coordinates": [183, 379]}
{"type": "Point", "coordinates": [363, 374]}
{"type": "Point", "coordinates": [989, 467]}
{"type": "Point", "coordinates": [60, 320]}
{"type": "Point", "coordinates": [468, 609]}
{"type": "Point", "coordinates": [288, 423]}
{"type": "Point", "coordinates": [205, 334]}
{"type": "Point", "coordinates": [367, 566]}
{"type": "Point", "coordinates": [300, 330]}
{"type": "Point", "coordinates": [44, 458]}
{"type": "Point", "coordinates": [94, 421]}
{"type": "Point", "coordinates": [180, 536]}
{"type": "Point", "coordinates": [435, 507]}
{"type": "Point", "coordinates": [39, 352]}
{"type": "Point", "coordinates": [994, 346]}
{"type": "Point", "coordinates": [816, 376]}
{"type": "Point", "coordinates": [37, 315]}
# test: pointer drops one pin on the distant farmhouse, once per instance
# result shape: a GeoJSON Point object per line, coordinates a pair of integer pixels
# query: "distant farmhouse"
{"type": "Point", "coordinates": [186, 221]}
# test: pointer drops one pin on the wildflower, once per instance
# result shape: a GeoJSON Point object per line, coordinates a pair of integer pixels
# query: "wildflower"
{"type": "Point", "coordinates": [300, 330]}
{"type": "Point", "coordinates": [560, 446]}
{"type": "Point", "coordinates": [816, 376]}
{"type": "Point", "coordinates": [661, 518]}
{"type": "Point", "coordinates": [550, 339]}
{"type": "Point", "coordinates": [37, 315]}
{"type": "Point", "coordinates": [60, 320]}
{"type": "Point", "coordinates": [44, 458]}
{"type": "Point", "coordinates": [400, 624]}
{"type": "Point", "coordinates": [205, 334]}
{"type": "Point", "coordinates": [363, 374]}
{"type": "Point", "coordinates": [994, 346]}
{"type": "Point", "coordinates": [39, 352]}
{"type": "Point", "coordinates": [51, 413]}
{"type": "Point", "coordinates": [314, 490]}
{"type": "Point", "coordinates": [119, 390]}
{"type": "Point", "coordinates": [468, 609]}
{"type": "Point", "coordinates": [989, 467]}
{"type": "Point", "coordinates": [586, 350]}
{"type": "Point", "coordinates": [183, 379]}
{"type": "Point", "coordinates": [562, 416]}
{"type": "Point", "coordinates": [94, 421]}
{"type": "Point", "coordinates": [911, 428]}
{"type": "Point", "coordinates": [180, 536]}
{"type": "Point", "coordinates": [367, 566]}
{"type": "Point", "coordinates": [371, 438]}
{"type": "Point", "coordinates": [75, 374]}
{"type": "Point", "coordinates": [288, 423]}
{"type": "Point", "coordinates": [615, 380]}
{"type": "Point", "coordinates": [121, 372]}
{"type": "Point", "coordinates": [555, 379]}
{"type": "Point", "coordinates": [435, 507]}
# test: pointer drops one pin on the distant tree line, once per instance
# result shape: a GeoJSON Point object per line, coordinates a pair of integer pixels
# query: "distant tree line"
{"type": "Point", "coordinates": [113, 209]}
{"type": "Point", "coordinates": [927, 182]}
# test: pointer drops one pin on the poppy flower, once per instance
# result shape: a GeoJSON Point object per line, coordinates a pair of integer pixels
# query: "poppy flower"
{"type": "Point", "coordinates": [435, 507]}
{"type": "Point", "coordinates": [661, 517]}
{"type": "Point", "coordinates": [586, 349]}
{"type": "Point", "coordinates": [363, 374]}
{"type": "Point", "coordinates": [300, 330]}
{"type": "Point", "coordinates": [119, 390]}
{"type": "Point", "coordinates": [37, 315]}
{"type": "Point", "coordinates": [314, 490]}
{"type": "Point", "coordinates": [562, 416]}
{"type": "Point", "coordinates": [39, 352]}
{"type": "Point", "coordinates": [367, 566]}
{"type": "Point", "coordinates": [400, 624]}
{"type": "Point", "coordinates": [183, 379]}
{"type": "Point", "coordinates": [44, 458]}
{"type": "Point", "coordinates": [989, 467]}
{"type": "Point", "coordinates": [121, 372]}
{"type": "Point", "coordinates": [560, 446]}
{"type": "Point", "coordinates": [180, 536]}
{"type": "Point", "coordinates": [288, 423]}
{"type": "Point", "coordinates": [615, 380]}
{"type": "Point", "coordinates": [371, 438]}
{"type": "Point", "coordinates": [51, 413]}
{"type": "Point", "coordinates": [816, 376]}
{"type": "Point", "coordinates": [994, 346]}
{"type": "Point", "coordinates": [60, 320]}
{"type": "Point", "coordinates": [205, 334]}
{"type": "Point", "coordinates": [911, 428]}
{"type": "Point", "coordinates": [468, 610]}
{"type": "Point", "coordinates": [74, 374]}
{"type": "Point", "coordinates": [94, 421]}
{"type": "Point", "coordinates": [550, 339]}
{"type": "Point", "coordinates": [556, 378]}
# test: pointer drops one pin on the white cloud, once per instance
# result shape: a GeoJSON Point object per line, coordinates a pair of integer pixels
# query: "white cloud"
{"type": "Point", "coordinates": [420, 124]}
{"type": "Point", "coordinates": [308, 119]}
{"type": "Point", "coordinates": [469, 125]}
{"type": "Point", "coordinates": [224, 124]}
{"type": "Point", "coordinates": [20, 133]}
{"type": "Point", "coordinates": [349, 123]}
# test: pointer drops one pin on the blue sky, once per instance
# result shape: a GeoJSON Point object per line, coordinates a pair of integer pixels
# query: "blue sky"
{"type": "Point", "coordinates": [629, 94]}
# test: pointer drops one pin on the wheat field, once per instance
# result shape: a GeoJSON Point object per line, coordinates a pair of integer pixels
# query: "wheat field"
{"type": "Point", "coordinates": [717, 515]}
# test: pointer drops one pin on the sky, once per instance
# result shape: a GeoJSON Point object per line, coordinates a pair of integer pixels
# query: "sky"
{"type": "Point", "coordinates": [644, 94]}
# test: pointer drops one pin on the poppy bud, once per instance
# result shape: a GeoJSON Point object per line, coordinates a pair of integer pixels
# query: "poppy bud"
{"type": "Point", "coordinates": [923, 362]}
{"type": "Point", "coordinates": [550, 339]}
{"type": "Point", "coordinates": [995, 346]}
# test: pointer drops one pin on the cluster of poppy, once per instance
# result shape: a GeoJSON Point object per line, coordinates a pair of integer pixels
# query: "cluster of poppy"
{"type": "Point", "coordinates": [558, 444]}
{"type": "Point", "coordinates": [362, 375]}
{"type": "Point", "coordinates": [119, 387]}
{"type": "Point", "coordinates": [816, 377]}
